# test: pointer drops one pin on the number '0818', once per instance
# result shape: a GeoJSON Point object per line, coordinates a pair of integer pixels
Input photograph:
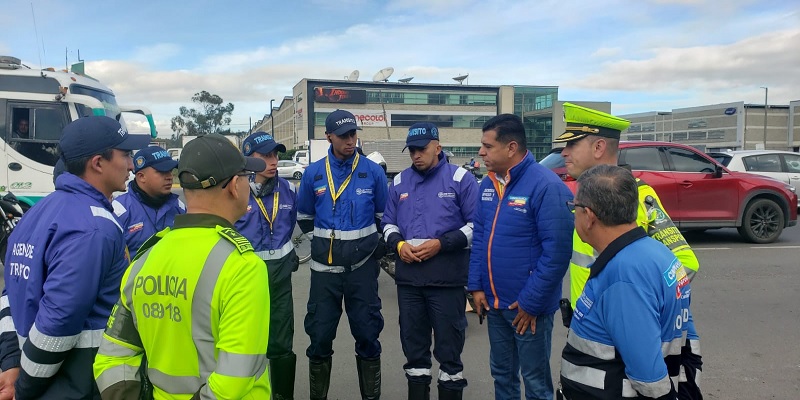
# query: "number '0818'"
{"type": "Point", "coordinates": [160, 311]}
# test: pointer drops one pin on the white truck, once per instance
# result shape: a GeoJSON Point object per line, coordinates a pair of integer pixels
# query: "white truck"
{"type": "Point", "coordinates": [35, 105]}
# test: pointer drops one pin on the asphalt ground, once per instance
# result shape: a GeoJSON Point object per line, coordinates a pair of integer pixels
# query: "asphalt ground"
{"type": "Point", "coordinates": [745, 304]}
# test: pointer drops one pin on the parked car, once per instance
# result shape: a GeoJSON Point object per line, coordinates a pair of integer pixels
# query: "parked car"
{"type": "Point", "coordinates": [301, 157]}
{"type": "Point", "coordinates": [781, 165]}
{"type": "Point", "coordinates": [699, 193]}
{"type": "Point", "coordinates": [290, 169]}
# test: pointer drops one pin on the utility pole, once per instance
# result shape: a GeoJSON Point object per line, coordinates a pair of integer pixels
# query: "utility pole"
{"type": "Point", "coordinates": [271, 119]}
{"type": "Point", "coordinates": [766, 106]}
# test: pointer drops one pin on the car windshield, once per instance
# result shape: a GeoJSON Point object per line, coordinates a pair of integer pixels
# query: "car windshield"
{"type": "Point", "coordinates": [553, 160]}
{"type": "Point", "coordinates": [721, 158]}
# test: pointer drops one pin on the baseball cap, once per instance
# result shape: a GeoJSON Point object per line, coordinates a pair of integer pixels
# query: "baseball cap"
{"type": "Point", "coordinates": [340, 122]}
{"type": "Point", "coordinates": [91, 135]}
{"type": "Point", "coordinates": [582, 122]}
{"type": "Point", "coordinates": [155, 157]}
{"type": "Point", "coordinates": [420, 134]}
{"type": "Point", "coordinates": [261, 142]}
{"type": "Point", "coordinates": [210, 159]}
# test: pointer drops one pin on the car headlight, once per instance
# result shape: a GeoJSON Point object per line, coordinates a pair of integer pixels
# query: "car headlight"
{"type": "Point", "coordinates": [790, 188]}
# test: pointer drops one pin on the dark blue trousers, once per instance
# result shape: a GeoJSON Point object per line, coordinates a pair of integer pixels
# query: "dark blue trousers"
{"type": "Point", "coordinates": [359, 289]}
{"type": "Point", "coordinates": [440, 309]}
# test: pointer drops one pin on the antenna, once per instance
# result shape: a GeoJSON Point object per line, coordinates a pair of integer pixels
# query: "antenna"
{"type": "Point", "coordinates": [353, 76]}
{"type": "Point", "coordinates": [36, 30]}
{"type": "Point", "coordinates": [405, 80]}
{"type": "Point", "coordinates": [383, 75]}
{"type": "Point", "coordinates": [460, 79]}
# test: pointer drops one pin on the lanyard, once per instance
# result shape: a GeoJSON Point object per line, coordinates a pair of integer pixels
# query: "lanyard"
{"type": "Point", "coordinates": [336, 193]}
{"type": "Point", "coordinates": [275, 198]}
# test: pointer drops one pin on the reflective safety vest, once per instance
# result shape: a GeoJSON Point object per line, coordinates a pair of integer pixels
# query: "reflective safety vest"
{"type": "Point", "coordinates": [655, 220]}
{"type": "Point", "coordinates": [200, 316]}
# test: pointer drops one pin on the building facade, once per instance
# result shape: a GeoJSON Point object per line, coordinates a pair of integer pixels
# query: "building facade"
{"type": "Point", "coordinates": [719, 127]}
{"type": "Point", "coordinates": [386, 110]}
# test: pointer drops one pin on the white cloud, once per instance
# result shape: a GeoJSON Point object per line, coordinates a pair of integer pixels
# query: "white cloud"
{"type": "Point", "coordinates": [156, 53]}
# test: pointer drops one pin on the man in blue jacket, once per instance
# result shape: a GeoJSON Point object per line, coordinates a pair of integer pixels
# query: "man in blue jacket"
{"type": "Point", "coordinates": [521, 248]}
{"type": "Point", "coordinates": [269, 224]}
{"type": "Point", "coordinates": [428, 219]}
{"type": "Point", "coordinates": [341, 199]}
{"type": "Point", "coordinates": [64, 264]}
{"type": "Point", "coordinates": [634, 310]}
{"type": "Point", "coordinates": [149, 205]}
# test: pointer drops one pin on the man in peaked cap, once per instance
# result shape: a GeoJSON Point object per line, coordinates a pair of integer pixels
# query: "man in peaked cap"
{"type": "Point", "coordinates": [204, 330]}
{"type": "Point", "coordinates": [592, 138]}
{"type": "Point", "coordinates": [428, 219]}
{"type": "Point", "coordinates": [149, 204]}
{"type": "Point", "coordinates": [269, 224]}
{"type": "Point", "coordinates": [341, 199]}
{"type": "Point", "coordinates": [68, 256]}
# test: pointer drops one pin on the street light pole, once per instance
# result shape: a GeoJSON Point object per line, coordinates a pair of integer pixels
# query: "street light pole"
{"type": "Point", "coordinates": [766, 92]}
{"type": "Point", "coordinates": [271, 119]}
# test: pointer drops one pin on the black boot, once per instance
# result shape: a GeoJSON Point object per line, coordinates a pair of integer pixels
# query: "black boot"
{"type": "Point", "coordinates": [419, 391]}
{"type": "Point", "coordinates": [319, 378]}
{"type": "Point", "coordinates": [449, 394]}
{"type": "Point", "coordinates": [369, 377]}
{"type": "Point", "coordinates": [282, 372]}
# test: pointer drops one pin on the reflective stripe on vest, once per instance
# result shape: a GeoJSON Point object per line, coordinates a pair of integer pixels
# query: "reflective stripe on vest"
{"type": "Point", "coordinates": [276, 254]}
{"type": "Point", "coordinates": [345, 235]}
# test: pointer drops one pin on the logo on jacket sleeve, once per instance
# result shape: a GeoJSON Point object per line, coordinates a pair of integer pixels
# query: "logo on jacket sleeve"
{"type": "Point", "coordinates": [447, 195]}
{"type": "Point", "coordinates": [487, 195]}
{"type": "Point", "coordinates": [361, 191]}
{"type": "Point", "coordinates": [320, 190]}
{"type": "Point", "coordinates": [403, 196]}
{"type": "Point", "coordinates": [136, 227]}
{"type": "Point", "coordinates": [676, 274]}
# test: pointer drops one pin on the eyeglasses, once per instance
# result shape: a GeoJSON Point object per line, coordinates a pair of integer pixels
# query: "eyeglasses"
{"type": "Point", "coordinates": [571, 205]}
{"type": "Point", "coordinates": [248, 174]}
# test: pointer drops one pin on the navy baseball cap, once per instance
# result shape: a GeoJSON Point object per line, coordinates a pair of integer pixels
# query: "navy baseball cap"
{"type": "Point", "coordinates": [155, 157]}
{"type": "Point", "coordinates": [420, 134]}
{"type": "Point", "coordinates": [262, 143]}
{"type": "Point", "coordinates": [87, 136]}
{"type": "Point", "coordinates": [340, 122]}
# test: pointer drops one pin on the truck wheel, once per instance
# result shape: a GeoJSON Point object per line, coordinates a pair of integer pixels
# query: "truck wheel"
{"type": "Point", "coordinates": [762, 221]}
{"type": "Point", "coordinates": [297, 175]}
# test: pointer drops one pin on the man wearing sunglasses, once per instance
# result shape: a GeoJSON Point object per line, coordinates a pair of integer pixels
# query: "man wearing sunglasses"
{"type": "Point", "coordinates": [195, 301]}
{"type": "Point", "coordinates": [268, 224]}
{"type": "Point", "coordinates": [592, 138]}
{"type": "Point", "coordinates": [341, 199]}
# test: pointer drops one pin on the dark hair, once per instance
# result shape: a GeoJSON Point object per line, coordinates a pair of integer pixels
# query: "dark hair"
{"type": "Point", "coordinates": [78, 166]}
{"type": "Point", "coordinates": [611, 193]}
{"type": "Point", "coordinates": [509, 129]}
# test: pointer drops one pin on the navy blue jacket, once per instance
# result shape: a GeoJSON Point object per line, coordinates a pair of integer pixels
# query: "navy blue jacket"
{"type": "Point", "coordinates": [63, 269]}
{"type": "Point", "coordinates": [435, 204]}
{"type": "Point", "coordinates": [276, 242]}
{"type": "Point", "coordinates": [522, 241]}
{"type": "Point", "coordinates": [140, 221]}
{"type": "Point", "coordinates": [352, 222]}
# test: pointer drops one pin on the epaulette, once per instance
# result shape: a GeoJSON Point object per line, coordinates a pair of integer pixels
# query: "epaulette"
{"type": "Point", "coordinates": [241, 242]}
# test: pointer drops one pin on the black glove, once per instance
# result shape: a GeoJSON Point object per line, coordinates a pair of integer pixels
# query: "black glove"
{"type": "Point", "coordinates": [566, 311]}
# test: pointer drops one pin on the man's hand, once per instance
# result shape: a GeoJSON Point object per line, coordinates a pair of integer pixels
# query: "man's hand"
{"type": "Point", "coordinates": [523, 319]}
{"type": "Point", "coordinates": [7, 380]}
{"type": "Point", "coordinates": [428, 249]}
{"type": "Point", "coordinates": [406, 254]}
{"type": "Point", "coordinates": [479, 298]}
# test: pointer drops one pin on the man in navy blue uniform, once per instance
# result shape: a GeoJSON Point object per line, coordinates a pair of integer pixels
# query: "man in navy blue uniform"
{"type": "Point", "coordinates": [149, 204]}
{"type": "Point", "coordinates": [634, 309]}
{"type": "Point", "coordinates": [64, 263]}
{"type": "Point", "coordinates": [520, 252]}
{"type": "Point", "coordinates": [428, 219]}
{"type": "Point", "coordinates": [268, 225]}
{"type": "Point", "coordinates": [341, 199]}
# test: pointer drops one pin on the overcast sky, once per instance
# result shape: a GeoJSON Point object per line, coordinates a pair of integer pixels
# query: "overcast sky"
{"type": "Point", "coordinates": [641, 55]}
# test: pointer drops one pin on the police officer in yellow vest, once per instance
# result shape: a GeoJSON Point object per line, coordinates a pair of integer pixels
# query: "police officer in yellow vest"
{"type": "Point", "coordinates": [195, 302]}
{"type": "Point", "coordinates": [592, 138]}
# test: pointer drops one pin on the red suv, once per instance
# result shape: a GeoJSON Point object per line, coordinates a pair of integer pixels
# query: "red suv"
{"type": "Point", "coordinates": [698, 193]}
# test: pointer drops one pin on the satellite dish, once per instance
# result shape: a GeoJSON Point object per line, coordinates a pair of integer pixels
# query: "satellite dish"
{"type": "Point", "coordinates": [460, 79]}
{"type": "Point", "coordinates": [383, 75]}
{"type": "Point", "coordinates": [405, 80]}
{"type": "Point", "coordinates": [353, 76]}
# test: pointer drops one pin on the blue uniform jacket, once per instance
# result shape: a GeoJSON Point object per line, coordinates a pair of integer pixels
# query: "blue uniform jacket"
{"type": "Point", "coordinates": [63, 268]}
{"type": "Point", "coordinates": [635, 306]}
{"type": "Point", "coordinates": [522, 241]}
{"type": "Point", "coordinates": [352, 221]}
{"type": "Point", "coordinates": [436, 204]}
{"type": "Point", "coordinates": [140, 221]}
{"type": "Point", "coordinates": [254, 226]}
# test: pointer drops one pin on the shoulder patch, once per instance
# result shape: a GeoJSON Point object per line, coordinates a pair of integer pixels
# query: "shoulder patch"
{"type": "Point", "coordinates": [292, 187]}
{"type": "Point", "coordinates": [181, 205]}
{"type": "Point", "coordinates": [241, 242]}
{"type": "Point", "coordinates": [398, 179]}
{"type": "Point", "coordinates": [460, 172]}
{"type": "Point", "coordinates": [119, 209]}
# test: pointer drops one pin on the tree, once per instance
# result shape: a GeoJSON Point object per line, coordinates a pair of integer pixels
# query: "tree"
{"type": "Point", "coordinates": [211, 117]}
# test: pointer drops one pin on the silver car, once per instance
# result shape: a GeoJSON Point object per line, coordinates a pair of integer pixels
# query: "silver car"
{"type": "Point", "coordinates": [781, 165]}
{"type": "Point", "coordinates": [290, 169]}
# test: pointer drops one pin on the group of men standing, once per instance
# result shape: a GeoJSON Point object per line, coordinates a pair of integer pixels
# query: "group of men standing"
{"type": "Point", "coordinates": [197, 313]}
